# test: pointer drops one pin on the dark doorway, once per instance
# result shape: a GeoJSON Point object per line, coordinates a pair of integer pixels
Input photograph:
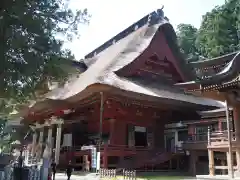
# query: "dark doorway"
{"type": "Point", "coordinates": [140, 139]}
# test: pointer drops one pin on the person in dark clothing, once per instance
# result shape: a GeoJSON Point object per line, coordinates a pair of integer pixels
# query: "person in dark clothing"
{"type": "Point", "coordinates": [69, 170]}
{"type": "Point", "coordinates": [54, 169]}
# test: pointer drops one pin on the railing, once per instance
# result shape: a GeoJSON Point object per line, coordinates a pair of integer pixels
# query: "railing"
{"type": "Point", "coordinates": [129, 174]}
{"type": "Point", "coordinates": [107, 147]}
{"type": "Point", "coordinates": [215, 136]}
{"type": "Point", "coordinates": [107, 173]}
{"type": "Point", "coordinates": [209, 139]}
{"type": "Point", "coordinates": [111, 173]}
{"type": "Point", "coordinates": [196, 138]}
{"type": "Point", "coordinates": [220, 136]}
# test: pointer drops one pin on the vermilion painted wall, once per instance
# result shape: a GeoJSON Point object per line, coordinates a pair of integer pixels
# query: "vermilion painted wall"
{"type": "Point", "coordinates": [116, 117]}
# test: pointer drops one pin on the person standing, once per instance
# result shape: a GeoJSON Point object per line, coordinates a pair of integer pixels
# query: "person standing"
{"type": "Point", "coordinates": [54, 169]}
{"type": "Point", "coordinates": [69, 170]}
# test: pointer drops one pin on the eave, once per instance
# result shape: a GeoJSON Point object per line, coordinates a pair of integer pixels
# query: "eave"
{"type": "Point", "coordinates": [140, 93]}
{"type": "Point", "coordinates": [214, 61]}
{"type": "Point", "coordinates": [228, 77]}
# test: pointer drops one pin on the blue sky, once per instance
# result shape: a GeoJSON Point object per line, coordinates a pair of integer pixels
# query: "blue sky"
{"type": "Point", "coordinates": [109, 17]}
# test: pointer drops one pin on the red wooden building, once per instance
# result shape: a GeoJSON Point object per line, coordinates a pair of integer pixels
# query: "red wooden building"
{"type": "Point", "coordinates": [123, 99]}
{"type": "Point", "coordinates": [218, 79]}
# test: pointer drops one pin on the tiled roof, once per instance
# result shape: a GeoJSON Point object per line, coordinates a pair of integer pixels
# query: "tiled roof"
{"type": "Point", "coordinates": [230, 73]}
{"type": "Point", "coordinates": [213, 61]}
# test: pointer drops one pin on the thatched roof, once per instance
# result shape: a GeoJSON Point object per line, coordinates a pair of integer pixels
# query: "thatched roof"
{"type": "Point", "coordinates": [103, 63]}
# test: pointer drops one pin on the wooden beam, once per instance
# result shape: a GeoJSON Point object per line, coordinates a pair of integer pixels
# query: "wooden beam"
{"type": "Point", "coordinates": [157, 63]}
{"type": "Point", "coordinates": [216, 95]}
{"type": "Point", "coordinates": [126, 100]}
{"type": "Point", "coordinates": [161, 73]}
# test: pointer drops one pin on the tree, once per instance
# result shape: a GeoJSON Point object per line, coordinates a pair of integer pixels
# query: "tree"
{"type": "Point", "coordinates": [30, 53]}
{"type": "Point", "coordinates": [187, 35]}
{"type": "Point", "coordinates": [218, 34]}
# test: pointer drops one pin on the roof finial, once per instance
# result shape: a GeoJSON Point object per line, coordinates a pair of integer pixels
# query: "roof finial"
{"type": "Point", "coordinates": [156, 16]}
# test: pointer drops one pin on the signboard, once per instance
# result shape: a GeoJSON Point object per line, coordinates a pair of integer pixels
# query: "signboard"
{"type": "Point", "coordinates": [98, 161]}
{"type": "Point", "coordinates": [94, 157]}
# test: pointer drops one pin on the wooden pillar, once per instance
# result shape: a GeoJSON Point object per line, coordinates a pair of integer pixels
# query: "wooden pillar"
{"type": "Point", "coordinates": [192, 164]}
{"type": "Point", "coordinates": [178, 162]}
{"type": "Point", "coordinates": [40, 143]}
{"type": "Point", "coordinates": [229, 154]}
{"type": "Point", "coordinates": [105, 161]}
{"type": "Point", "coordinates": [105, 157]}
{"type": "Point", "coordinates": [229, 164]}
{"type": "Point", "coordinates": [49, 140]}
{"type": "Point", "coordinates": [112, 131]}
{"type": "Point", "coordinates": [58, 141]}
{"type": "Point", "coordinates": [220, 125]}
{"type": "Point", "coordinates": [34, 142]}
{"type": "Point", "coordinates": [131, 135]}
{"type": "Point", "coordinates": [170, 164]}
{"type": "Point", "coordinates": [49, 137]}
{"type": "Point", "coordinates": [223, 164]}
{"type": "Point", "coordinates": [238, 159]}
{"type": "Point", "coordinates": [211, 162]}
{"type": "Point", "coordinates": [236, 116]}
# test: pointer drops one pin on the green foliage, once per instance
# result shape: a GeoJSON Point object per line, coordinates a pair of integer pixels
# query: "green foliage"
{"type": "Point", "coordinates": [187, 35]}
{"type": "Point", "coordinates": [4, 135]}
{"type": "Point", "coordinates": [30, 54]}
{"type": "Point", "coordinates": [218, 34]}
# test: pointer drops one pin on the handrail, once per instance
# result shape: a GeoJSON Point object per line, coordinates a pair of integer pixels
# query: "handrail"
{"type": "Point", "coordinates": [210, 136]}
{"type": "Point", "coordinates": [109, 147]}
{"type": "Point", "coordinates": [126, 147]}
{"type": "Point", "coordinates": [198, 137]}
{"type": "Point", "coordinates": [220, 136]}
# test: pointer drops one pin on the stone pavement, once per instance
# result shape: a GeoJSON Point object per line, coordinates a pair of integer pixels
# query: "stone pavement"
{"type": "Point", "coordinates": [91, 176]}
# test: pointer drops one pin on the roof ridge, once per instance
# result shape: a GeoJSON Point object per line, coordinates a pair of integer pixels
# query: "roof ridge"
{"type": "Point", "coordinates": [152, 18]}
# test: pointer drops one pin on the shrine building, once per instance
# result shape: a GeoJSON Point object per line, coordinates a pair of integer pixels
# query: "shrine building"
{"type": "Point", "coordinates": [218, 79]}
{"type": "Point", "coordinates": [121, 103]}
